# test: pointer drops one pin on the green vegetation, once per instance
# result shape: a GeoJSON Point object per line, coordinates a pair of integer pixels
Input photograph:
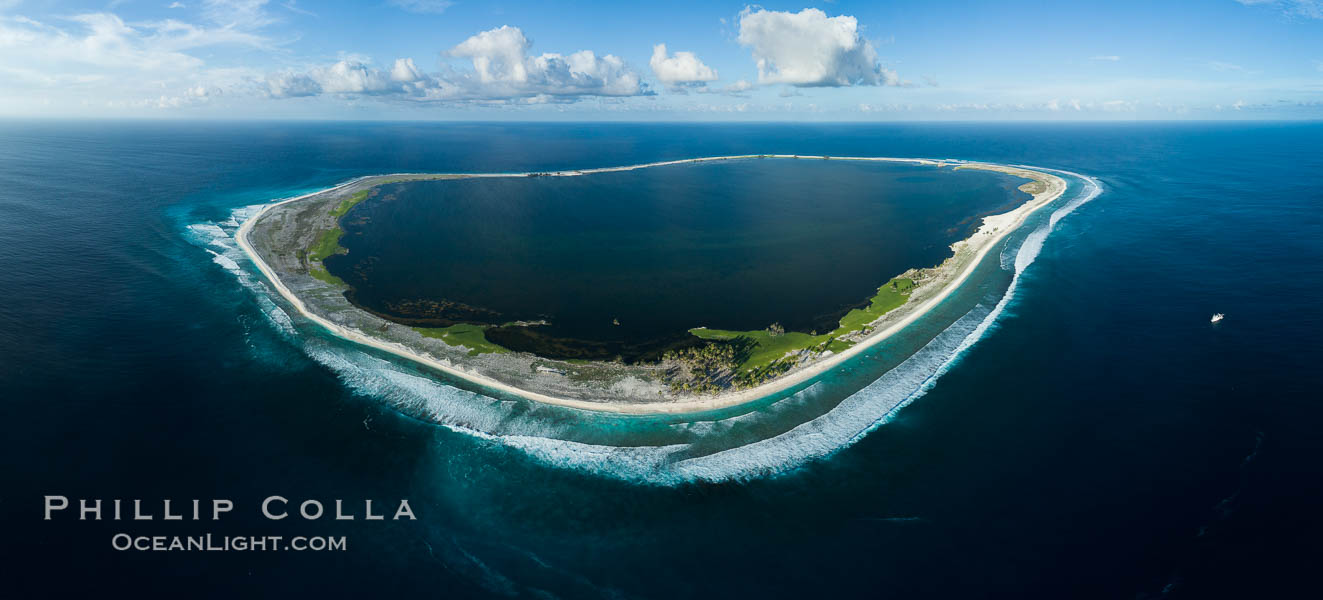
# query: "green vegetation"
{"type": "Point", "coordinates": [322, 274]}
{"type": "Point", "coordinates": [751, 378]}
{"type": "Point", "coordinates": [327, 243]}
{"type": "Point", "coordinates": [349, 203]}
{"type": "Point", "coordinates": [1033, 187]}
{"type": "Point", "coordinates": [463, 334]}
{"type": "Point", "coordinates": [833, 344]}
{"type": "Point", "coordinates": [766, 348]}
{"type": "Point", "coordinates": [703, 369]}
{"type": "Point", "coordinates": [890, 296]}
{"type": "Point", "coordinates": [765, 358]}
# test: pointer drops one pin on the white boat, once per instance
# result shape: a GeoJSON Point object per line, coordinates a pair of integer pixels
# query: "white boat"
{"type": "Point", "coordinates": [1218, 317]}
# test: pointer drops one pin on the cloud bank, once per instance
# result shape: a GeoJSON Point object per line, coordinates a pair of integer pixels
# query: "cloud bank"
{"type": "Point", "coordinates": [502, 70]}
{"type": "Point", "coordinates": [98, 57]}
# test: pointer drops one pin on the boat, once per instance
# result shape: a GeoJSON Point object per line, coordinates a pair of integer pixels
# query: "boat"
{"type": "Point", "coordinates": [1218, 317]}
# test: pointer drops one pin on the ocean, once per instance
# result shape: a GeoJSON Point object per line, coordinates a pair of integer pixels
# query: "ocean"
{"type": "Point", "coordinates": [1072, 427]}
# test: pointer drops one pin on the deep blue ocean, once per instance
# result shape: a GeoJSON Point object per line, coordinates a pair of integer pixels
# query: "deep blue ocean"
{"type": "Point", "coordinates": [1092, 436]}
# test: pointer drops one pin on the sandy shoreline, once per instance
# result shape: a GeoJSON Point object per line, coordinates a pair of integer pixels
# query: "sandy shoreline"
{"type": "Point", "coordinates": [994, 229]}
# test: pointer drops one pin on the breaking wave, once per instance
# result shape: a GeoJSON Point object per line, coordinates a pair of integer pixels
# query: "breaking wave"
{"type": "Point", "coordinates": [217, 239]}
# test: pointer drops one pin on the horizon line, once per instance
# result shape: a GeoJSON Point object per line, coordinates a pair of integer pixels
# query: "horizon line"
{"type": "Point", "coordinates": [283, 119]}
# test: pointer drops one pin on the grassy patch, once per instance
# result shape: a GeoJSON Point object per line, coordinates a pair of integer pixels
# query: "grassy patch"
{"type": "Point", "coordinates": [839, 345]}
{"type": "Point", "coordinates": [769, 348]}
{"type": "Point", "coordinates": [463, 334]}
{"type": "Point", "coordinates": [890, 296]}
{"type": "Point", "coordinates": [349, 203]}
{"type": "Point", "coordinates": [327, 243]}
{"type": "Point", "coordinates": [322, 274]}
{"type": "Point", "coordinates": [1033, 187]}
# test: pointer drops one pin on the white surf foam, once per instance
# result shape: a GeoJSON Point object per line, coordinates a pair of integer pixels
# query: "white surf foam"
{"type": "Point", "coordinates": [224, 261]}
{"type": "Point", "coordinates": [215, 238]}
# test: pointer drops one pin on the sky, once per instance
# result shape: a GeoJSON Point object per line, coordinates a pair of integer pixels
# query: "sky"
{"type": "Point", "coordinates": [664, 61]}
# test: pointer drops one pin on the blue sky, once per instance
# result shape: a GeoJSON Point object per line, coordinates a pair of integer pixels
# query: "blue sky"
{"type": "Point", "coordinates": [838, 61]}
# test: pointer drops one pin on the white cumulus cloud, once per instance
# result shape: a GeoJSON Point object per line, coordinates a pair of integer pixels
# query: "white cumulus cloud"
{"type": "Point", "coordinates": [498, 55]}
{"type": "Point", "coordinates": [291, 85]}
{"type": "Point", "coordinates": [349, 76]}
{"type": "Point", "coordinates": [682, 69]}
{"type": "Point", "coordinates": [810, 49]}
{"type": "Point", "coordinates": [352, 77]}
{"type": "Point", "coordinates": [405, 71]}
{"type": "Point", "coordinates": [502, 68]}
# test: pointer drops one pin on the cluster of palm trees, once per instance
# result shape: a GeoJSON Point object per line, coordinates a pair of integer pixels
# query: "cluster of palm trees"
{"type": "Point", "coordinates": [713, 367]}
{"type": "Point", "coordinates": [755, 377]}
{"type": "Point", "coordinates": [701, 369]}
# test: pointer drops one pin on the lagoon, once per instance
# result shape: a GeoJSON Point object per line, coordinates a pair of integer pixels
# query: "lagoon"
{"type": "Point", "coordinates": [735, 245]}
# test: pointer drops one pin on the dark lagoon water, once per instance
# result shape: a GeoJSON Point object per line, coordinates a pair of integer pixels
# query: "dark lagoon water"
{"type": "Point", "coordinates": [731, 245]}
{"type": "Point", "coordinates": [1099, 440]}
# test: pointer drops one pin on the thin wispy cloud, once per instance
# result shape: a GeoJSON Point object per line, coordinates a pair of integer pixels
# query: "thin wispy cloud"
{"type": "Point", "coordinates": [244, 15]}
{"type": "Point", "coordinates": [425, 7]}
{"type": "Point", "coordinates": [1309, 9]}
{"type": "Point", "coordinates": [1227, 67]}
{"type": "Point", "coordinates": [740, 89]}
{"type": "Point", "coordinates": [292, 6]}
{"type": "Point", "coordinates": [100, 56]}
{"type": "Point", "coordinates": [1106, 58]}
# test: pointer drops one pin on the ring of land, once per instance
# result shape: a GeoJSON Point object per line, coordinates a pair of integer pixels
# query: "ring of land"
{"type": "Point", "coordinates": [289, 241]}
